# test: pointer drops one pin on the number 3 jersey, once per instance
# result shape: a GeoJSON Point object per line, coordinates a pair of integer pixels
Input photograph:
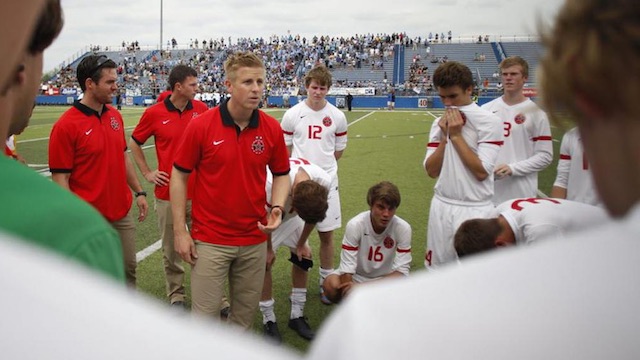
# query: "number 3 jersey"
{"type": "Point", "coordinates": [369, 255]}
{"type": "Point", "coordinates": [316, 135]}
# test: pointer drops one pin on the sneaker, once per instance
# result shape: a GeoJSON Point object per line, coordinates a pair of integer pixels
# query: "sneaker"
{"type": "Point", "coordinates": [224, 313]}
{"type": "Point", "coordinates": [301, 326]}
{"type": "Point", "coordinates": [323, 298]}
{"type": "Point", "coordinates": [271, 332]}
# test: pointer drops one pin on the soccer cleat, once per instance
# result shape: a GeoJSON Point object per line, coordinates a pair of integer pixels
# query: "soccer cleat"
{"type": "Point", "coordinates": [271, 332]}
{"type": "Point", "coordinates": [323, 298]}
{"type": "Point", "coordinates": [224, 313]}
{"type": "Point", "coordinates": [301, 326]}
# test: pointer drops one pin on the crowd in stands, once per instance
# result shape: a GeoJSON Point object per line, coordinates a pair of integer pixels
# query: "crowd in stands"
{"type": "Point", "coordinates": [287, 58]}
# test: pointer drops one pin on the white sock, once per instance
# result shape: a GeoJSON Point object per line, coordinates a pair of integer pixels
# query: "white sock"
{"type": "Point", "coordinates": [266, 307]}
{"type": "Point", "coordinates": [324, 273]}
{"type": "Point", "coordinates": [298, 298]}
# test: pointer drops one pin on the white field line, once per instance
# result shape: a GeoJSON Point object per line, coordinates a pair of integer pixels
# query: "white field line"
{"type": "Point", "coordinates": [47, 138]}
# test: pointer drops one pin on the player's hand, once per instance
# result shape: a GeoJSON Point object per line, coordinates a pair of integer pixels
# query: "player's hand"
{"type": "Point", "coordinates": [346, 288]}
{"type": "Point", "coordinates": [502, 170]}
{"type": "Point", "coordinates": [274, 219]}
{"type": "Point", "coordinates": [271, 258]}
{"type": "Point", "coordinates": [143, 208]}
{"type": "Point", "coordinates": [184, 246]}
{"type": "Point", "coordinates": [454, 122]}
{"type": "Point", "coordinates": [157, 177]}
{"type": "Point", "coordinates": [442, 124]}
{"type": "Point", "coordinates": [303, 251]}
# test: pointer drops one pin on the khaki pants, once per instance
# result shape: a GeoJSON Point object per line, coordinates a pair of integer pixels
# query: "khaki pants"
{"type": "Point", "coordinates": [126, 228]}
{"type": "Point", "coordinates": [243, 266]}
{"type": "Point", "coordinates": [173, 268]}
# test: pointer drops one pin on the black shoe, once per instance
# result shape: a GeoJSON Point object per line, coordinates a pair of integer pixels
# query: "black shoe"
{"type": "Point", "coordinates": [178, 304]}
{"type": "Point", "coordinates": [301, 326]}
{"type": "Point", "coordinates": [271, 332]}
{"type": "Point", "coordinates": [224, 313]}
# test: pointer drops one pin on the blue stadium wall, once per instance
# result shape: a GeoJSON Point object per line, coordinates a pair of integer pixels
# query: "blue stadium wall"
{"type": "Point", "coordinates": [370, 102]}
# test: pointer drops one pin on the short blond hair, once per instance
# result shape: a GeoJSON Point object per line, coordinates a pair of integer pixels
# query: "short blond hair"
{"type": "Point", "coordinates": [320, 74]}
{"type": "Point", "coordinates": [239, 60]}
{"type": "Point", "coordinates": [593, 44]}
{"type": "Point", "coordinates": [513, 61]}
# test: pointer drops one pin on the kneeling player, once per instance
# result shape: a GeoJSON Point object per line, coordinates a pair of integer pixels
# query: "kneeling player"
{"type": "Point", "coordinates": [376, 244]}
{"type": "Point", "coordinates": [306, 207]}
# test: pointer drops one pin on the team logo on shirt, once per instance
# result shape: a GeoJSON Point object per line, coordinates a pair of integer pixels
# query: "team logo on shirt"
{"type": "Point", "coordinates": [115, 125]}
{"type": "Point", "coordinates": [194, 114]}
{"type": "Point", "coordinates": [520, 119]}
{"type": "Point", "coordinates": [327, 121]}
{"type": "Point", "coordinates": [388, 242]}
{"type": "Point", "coordinates": [258, 145]}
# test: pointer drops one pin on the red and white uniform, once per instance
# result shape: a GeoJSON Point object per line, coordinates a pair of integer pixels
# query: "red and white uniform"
{"type": "Point", "coordinates": [166, 124]}
{"type": "Point", "coordinates": [573, 171]}
{"type": "Point", "coordinates": [288, 233]}
{"type": "Point", "coordinates": [316, 136]}
{"type": "Point", "coordinates": [91, 147]}
{"type": "Point", "coordinates": [458, 195]}
{"type": "Point", "coordinates": [528, 148]}
{"type": "Point", "coordinates": [369, 256]}
{"type": "Point", "coordinates": [10, 146]}
{"type": "Point", "coordinates": [533, 219]}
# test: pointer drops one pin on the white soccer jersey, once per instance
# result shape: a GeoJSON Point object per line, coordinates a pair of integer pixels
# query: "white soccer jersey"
{"type": "Point", "coordinates": [483, 133]}
{"type": "Point", "coordinates": [316, 135]}
{"type": "Point", "coordinates": [527, 149]}
{"type": "Point", "coordinates": [370, 255]}
{"type": "Point", "coordinates": [573, 171]}
{"type": "Point", "coordinates": [296, 164]}
{"type": "Point", "coordinates": [534, 219]}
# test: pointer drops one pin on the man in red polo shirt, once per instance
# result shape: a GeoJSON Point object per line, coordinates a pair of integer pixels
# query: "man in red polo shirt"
{"type": "Point", "coordinates": [166, 122]}
{"type": "Point", "coordinates": [230, 147]}
{"type": "Point", "coordinates": [87, 155]}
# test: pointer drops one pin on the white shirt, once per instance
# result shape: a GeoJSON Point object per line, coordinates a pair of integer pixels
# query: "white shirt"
{"type": "Point", "coordinates": [316, 135]}
{"type": "Point", "coordinates": [574, 173]}
{"type": "Point", "coordinates": [372, 255]}
{"type": "Point", "coordinates": [536, 219]}
{"type": "Point", "coordinates": [572, 299]}
{"type": "Point", "coordinates": [315, 173]}
{"type": "Point", "coordinates": [527, 149]}
{"type": "Point", "coordinates": [483, 133]}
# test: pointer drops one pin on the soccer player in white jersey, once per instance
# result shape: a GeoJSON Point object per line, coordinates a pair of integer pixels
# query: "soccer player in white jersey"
{"type": "Point", "coordinates": [574, 180]}
{"type": "Point", "coordinates": [524, 222]}
{"type": "Point", "coordinates": [376, 244]}
{"type": "Point", "coordinates": [528, 146]}
{"type": "Point", "coordinates": [317, 131]}
{"type": "Point", "coordinates": [306, 206]}
{"type": "Point", "coordinates": [462, 151]}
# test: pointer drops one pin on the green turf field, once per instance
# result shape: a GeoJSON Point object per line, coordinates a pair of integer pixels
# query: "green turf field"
{"type": "Point", "coordinates": [382, 145]}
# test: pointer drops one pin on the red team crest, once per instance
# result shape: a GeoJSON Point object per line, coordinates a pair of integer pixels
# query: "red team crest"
{"type": "Point", "coordinates": [115, 125]}
{"type": "Point", "coordinates": [519, 119]}
{"type": "Point", "coordinates": [388, 242]}
{"type": "Point", "coordinates": [327, 121]}
{"type": "Point", "coordinates": [258, 145]}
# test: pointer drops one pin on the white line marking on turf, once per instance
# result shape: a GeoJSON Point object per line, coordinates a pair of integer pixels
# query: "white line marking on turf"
{"type": "Point", "coordinates": [146, 252]}
{"type": "Point", "coordinates": [47, 138]}
{"type": "Point", "coordinates": [430, 113]}
{"type": "Point", "coordinates": [541, 194]}
{"type": "Point", "coordinates": [360, 118]}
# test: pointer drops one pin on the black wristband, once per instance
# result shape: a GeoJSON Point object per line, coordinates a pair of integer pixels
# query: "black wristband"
{"type": "Point", "coordinates": [141, 193]}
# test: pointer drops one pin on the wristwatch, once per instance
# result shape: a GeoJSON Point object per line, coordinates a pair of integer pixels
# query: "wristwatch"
{"type": "Point", "coordinates": [141, 193]}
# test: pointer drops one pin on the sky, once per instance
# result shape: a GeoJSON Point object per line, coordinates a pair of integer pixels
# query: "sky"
{"type": "Point", "coordinates": [108, 23]}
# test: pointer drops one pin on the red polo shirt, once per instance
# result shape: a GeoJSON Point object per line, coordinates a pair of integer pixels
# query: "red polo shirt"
{"type": "Point", "coordinates": [91, 147]}
{"type": "Point", "coordinates": [166, 124]}
{"type": "Point", "coordinates": [229, 194]}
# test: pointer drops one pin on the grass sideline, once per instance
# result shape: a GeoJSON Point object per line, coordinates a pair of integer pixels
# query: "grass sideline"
{"type": "Point", "coordinates": [383, 145]}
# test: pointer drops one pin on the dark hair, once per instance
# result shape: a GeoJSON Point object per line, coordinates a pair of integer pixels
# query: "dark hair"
{"type": "Point", "coordinates": [179, 74]}
{"type": "Point", "coordinates": [386, 192]}
{"type": "Point", "coordinates": [48, 27]}
{"type": "Point", "coordinates": [320, 74]}
{"type": "Point", "coordinates": [91, 66]}
{"type": "Point", "coordinates": [310, 201]}
{"type": "Point", "coordinates": [475, 236]}
{"type": "Point", "coordinates": [453, 73]}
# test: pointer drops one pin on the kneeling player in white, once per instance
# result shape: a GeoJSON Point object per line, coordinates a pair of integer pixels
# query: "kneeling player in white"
{"type": "Point", "coordinates": [525, 221]}
{"type": "Point", "coordinates": [376, 244]}
{"type": "Point", "coordinates": [306, 206]}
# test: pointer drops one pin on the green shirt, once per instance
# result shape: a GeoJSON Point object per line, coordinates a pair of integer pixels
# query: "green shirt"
{"type": "Point", "coordinates": [41, 212]}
